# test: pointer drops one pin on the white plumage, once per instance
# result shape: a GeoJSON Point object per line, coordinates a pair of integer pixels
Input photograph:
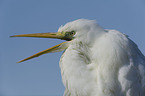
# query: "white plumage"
{"type": "Point", "coordinates": [101, 62]}
{"type": "Point", "coordinates": [97, 62]}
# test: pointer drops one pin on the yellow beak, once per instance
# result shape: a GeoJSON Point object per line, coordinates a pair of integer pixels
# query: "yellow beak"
{"type": "Point", "coordinates": [56, 35]}
{"type": "Point", "coordinates": [57, 48]}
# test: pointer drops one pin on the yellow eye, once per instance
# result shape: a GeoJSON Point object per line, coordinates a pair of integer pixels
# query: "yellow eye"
{"type": "Point", "coordinates": [72, 33]}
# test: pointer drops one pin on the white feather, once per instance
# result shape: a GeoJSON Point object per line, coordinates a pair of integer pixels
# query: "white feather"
{"type": "Point", "coordinates": [101, 62]}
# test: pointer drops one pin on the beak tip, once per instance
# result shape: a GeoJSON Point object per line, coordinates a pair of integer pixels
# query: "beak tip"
{"type": "Point", "coordinates": [12, 36]}
{"type": "Point", "coordinates": [19, 62]}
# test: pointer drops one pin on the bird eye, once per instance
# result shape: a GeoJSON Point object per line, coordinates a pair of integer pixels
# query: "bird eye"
{"type": "Point", "coordinates": [72, 33]}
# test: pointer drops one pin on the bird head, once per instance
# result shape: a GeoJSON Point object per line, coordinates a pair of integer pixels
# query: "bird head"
{"type": "Point", "coordinates": [79, 30]}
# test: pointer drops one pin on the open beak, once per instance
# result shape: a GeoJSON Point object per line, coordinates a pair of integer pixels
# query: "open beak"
{"type": "Point", "coordinates": [57, 48]}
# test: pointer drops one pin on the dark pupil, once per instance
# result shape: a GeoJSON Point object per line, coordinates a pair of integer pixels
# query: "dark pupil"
{"type": "Point", "coordinates": [72, 33]}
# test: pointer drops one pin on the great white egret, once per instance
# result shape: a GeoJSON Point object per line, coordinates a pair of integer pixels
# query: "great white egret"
{"type": "Point", "coordinates": [96, 61]}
